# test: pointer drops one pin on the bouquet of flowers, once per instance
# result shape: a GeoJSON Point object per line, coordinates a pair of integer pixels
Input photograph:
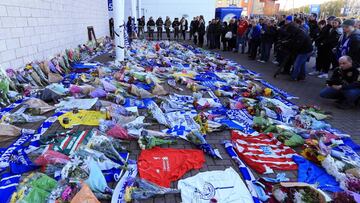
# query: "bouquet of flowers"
{"type": "Point", "coordinates": [198, 139]}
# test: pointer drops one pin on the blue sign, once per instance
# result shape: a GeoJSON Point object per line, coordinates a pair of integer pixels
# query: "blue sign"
{"type": "Point", "coordinates": [226, 14]}
{"type": "Point", "coordinates": [110, 5]}
{"type": "Point", "coordinates": [315, 8]}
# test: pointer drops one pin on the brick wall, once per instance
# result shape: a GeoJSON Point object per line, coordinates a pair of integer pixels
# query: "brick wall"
{"type": "Point", "coordinates": [38, 29]}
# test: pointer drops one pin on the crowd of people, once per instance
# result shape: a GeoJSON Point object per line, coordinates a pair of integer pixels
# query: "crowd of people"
{"type": "Point", "coordinates": [293, 39]}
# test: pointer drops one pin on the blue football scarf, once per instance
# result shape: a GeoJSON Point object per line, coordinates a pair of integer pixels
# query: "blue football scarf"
{"type": "Point", "coordinates": [119, 191]}
{"type": "Point", "coordinates": [244, 170]}
{"type": "Point", "coordinates": [18, 147]}
{"type": "Point", "coordinates": [21, 163]}
{"type": "Point", "coordinates": [5, 111]}
{"type": "Point", "coordinates": [8, 185]}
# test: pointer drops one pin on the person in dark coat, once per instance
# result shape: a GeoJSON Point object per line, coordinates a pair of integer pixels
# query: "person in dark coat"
{"type": "Point", "coordinates": [314, 28]}
{"type": "Point", "coordinates": [129, 28]}
{"type": "Point", "coordinates": [328, 45]}
{"type": "Point", "coordinates": [201, 31]}
{"type": "Point", "coordinates": [195, 30]}
{"type": "Point", "coordinates": [349, 42]}
{"type": "Point", "coordinates": [254, 36]}
{"type": "Point", "coordinates": [301, 46]}
{"type": "Point", "coordinates": [151, 27]}
{"type": "Point", "coordinates": [344, 84]}
{"type": "Point", "coordinates": [141, 26]}
{"type": "Point", "coordinates": [233, 30]}
{"type": "Point", "coordinates": [322, 53]}
{"type": "Point", "coordinates": [224, 40]}
{"type": "Point", "coordinates": [167, 27]}
{"type": "Point", "coordinates": [268, 33]}
{"type": "Point", "coordinates": [208, 36]}
{"type": "Point", "coordinates": [176, 27]}
{"type": "Point", "coordinates": [211, 33]}
{"type": "Point", "coordinates": [159, 26]}
{"type": "Point", "coordinates": [192, 25]}
{"type": "Point", "coordinates": [217, 33]}
{"type": "Point", "coordinates": [183, 27]}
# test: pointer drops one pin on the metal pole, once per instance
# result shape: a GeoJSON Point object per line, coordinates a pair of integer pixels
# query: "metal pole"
{"type": "Point", "coordinates": [138, 8]}
{"type": "Point", "coordinates": [119, 12]}
{"type": "Point", "coordinates": [133, 9]}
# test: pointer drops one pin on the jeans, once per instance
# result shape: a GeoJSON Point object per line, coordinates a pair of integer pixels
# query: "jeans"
{"type": "Point", "coordinates": [299, 71]}
{"type": "Point", "coordinates": [265, 50]}
{"type": "Point", "coordinates": [350, 95]}
{"type": "Point", "coordinates": [240, 40]}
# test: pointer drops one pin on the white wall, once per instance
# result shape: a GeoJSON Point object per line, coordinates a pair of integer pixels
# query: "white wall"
{"type": "Point", "coordinates": [38, 29]}
{"type": "Point", "coordinates": [178, 8]}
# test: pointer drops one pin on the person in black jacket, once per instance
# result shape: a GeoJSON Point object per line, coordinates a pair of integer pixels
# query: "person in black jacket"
{"type": "Point", "coordinates": [268, 32]}
{"type": "Point", "coordinates": [159, 26]}
{"type": "Point", "coordinates": [195, 30]}
{"type": "Point", "coordinates": [141, 26]}
{"type": "Point", "coordinates": [224, 40]}
{"type": "Point", "coordinates": [201, 32]}
{"type": "Point", "coordinates": [211, 34]}
{"type": "Point", "coordinates": [151, 27]}
{"type": "Point", "coordinates": [176, 27]}
{"type": "Point", "coordinates": [301, 46]}
{"type": "Point", "coordinates": [217, 33]}
{"type": "Point", "coordinates": [167, 27]}
{"type": "Point", "coordinates": [183, 27]}
{"type": "Point", "coordinates": [129, 28]}
{"type": "Point", "coordinates": [313, 25]}
{"type": "Point", "coordinates": [322, 52]}
{"type": "Point", "coordinates": [233, 30]}
{"type": "Point", "coordinates": [192, 24]}
{"type": "Point", "coordinates": [349, 43]}
{"type": "Point", "coordinates": [344, 84]}
{"type": "Point", "coordinates": [328, 45]}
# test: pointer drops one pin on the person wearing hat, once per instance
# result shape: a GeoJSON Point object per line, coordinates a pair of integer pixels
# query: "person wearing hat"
{"type": "Point", "coordinates": [151, 27]}
{"type": "Point", "coordinates": [349, 42]}
{"type": "Point", "coordinates": [322, 65]}
{"type": "Point", "coordinates": [159, 26]}
{"type": "Point", "coordinates": [288, 20]}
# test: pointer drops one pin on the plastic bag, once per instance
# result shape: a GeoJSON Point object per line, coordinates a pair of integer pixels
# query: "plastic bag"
{"type": "Point", "coordinates": [98, 93]}
{"type": "Point", "coordinates": [159, 90]}
{"type": "Point", "coordinates": [35, 103]}
{"type": "Point", "coordinates": [139, 92]}
{"type": "Point", "coordinates": [96, 179]}
{"type": "Point", "coordinates": [108, 86]}
{"type": "Point", "coordinates": [119, 132]}
{"type": "Point", "coordinates": [145, 189]}
{"type": "Point", "coordinates": [51, 157]}
{"type": "Point", "coordinates": [85, 195]}
{"type": "Point", "coordinates": [8, 132]}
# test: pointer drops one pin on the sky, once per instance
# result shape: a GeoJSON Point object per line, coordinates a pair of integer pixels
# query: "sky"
{"type": "Point", "coordinates": [288, 4]}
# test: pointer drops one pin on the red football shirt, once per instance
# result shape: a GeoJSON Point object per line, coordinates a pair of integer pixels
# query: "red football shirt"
{"type": "Point", "coordinates": [163, 165]}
